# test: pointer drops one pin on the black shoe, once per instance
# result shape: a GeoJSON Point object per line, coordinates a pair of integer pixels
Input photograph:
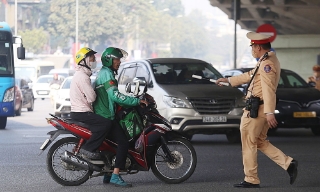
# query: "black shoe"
{"type": "Point", "coordinates": [293, 171]}
{"type": "Point", "coordinates": [90, 155]}
{"type": "Point", "coordinates": [245, 184]}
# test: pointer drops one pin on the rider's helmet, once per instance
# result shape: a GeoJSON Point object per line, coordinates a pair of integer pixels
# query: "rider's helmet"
{"type": "Point", "coordinates": [83, 53]}
{"type": "Point", "coordinates": [110, 53]}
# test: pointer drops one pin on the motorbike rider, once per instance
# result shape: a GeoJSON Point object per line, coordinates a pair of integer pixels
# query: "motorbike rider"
{"type": "Point", "coordinates": [82, 95]}
{"type": "Point", "coordinates": [108, 95]}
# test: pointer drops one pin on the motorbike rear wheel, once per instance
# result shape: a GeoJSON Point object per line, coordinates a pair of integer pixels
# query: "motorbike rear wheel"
{"type": "Point", "coordinates": [62, 172]}
{"type": "Point", "coordinates": [185, 161]}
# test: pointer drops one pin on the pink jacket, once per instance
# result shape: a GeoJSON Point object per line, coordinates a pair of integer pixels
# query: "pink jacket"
{"type": "Point", "coordinates": [82, 94]}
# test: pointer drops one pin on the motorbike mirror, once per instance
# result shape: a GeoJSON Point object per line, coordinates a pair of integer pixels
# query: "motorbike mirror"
{"type": "Point", "coordinates": [128, 88]}
{"type": "Point", "coordinates": [141, 80]}
{"type": "Point", "coordinates": [137, 89]}
{"type": "Point", "coordinates": [145, 89]}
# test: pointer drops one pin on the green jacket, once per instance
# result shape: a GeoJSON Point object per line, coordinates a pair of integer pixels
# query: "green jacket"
{"type": "Point", "coordinates": [106, 87]}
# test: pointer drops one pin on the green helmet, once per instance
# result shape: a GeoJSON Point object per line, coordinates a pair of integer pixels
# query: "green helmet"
{"type": "Point", "coordinates": [110, 53]}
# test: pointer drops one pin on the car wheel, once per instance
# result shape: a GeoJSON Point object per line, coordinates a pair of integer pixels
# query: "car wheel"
{"type": "Point", "coordinates": [315, 131]}
{"type": "Point", "coordinates": [32, 105]}
{"type": "Point", "coordinates": [18, 112]}
{"type": "Point", "coordinates": [234, 136]}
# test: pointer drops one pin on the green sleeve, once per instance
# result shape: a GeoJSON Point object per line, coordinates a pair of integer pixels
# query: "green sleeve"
{"type": "Point", "coordinates": [117, 97]}
{"type": "Point", "coordinates": [122, 99]}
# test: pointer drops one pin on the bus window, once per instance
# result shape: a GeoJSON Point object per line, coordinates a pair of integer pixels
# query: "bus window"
{"type": "Point", "coordinates": [3, 63]}
{"type": "Point", "coordinates": [5, 59]}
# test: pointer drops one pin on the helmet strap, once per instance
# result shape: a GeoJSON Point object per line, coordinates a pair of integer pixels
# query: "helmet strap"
{"type": "Point", "coordinates": [114, 71]}
{"type": "Point", "coordinates": [85, 65]}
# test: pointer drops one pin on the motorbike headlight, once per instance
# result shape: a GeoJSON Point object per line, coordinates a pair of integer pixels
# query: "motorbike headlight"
{"type": "Point", "coordinates": [175, 102]}
{"type": "Point", "coordinates": [9, 95]}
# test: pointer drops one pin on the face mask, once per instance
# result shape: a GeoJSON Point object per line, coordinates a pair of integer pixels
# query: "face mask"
{"type": "Point", "coordinates": [93, 65]}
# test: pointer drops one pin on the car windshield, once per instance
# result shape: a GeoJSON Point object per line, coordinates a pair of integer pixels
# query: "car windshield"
{"type": "Point", "coordinates": [289, 79]}
{"type": "Point", "coordinates": [181, 73]}
{"type": "Point", "coordinates": [47, 79]}
{"type": "Point", "coordinates": [66, 84]}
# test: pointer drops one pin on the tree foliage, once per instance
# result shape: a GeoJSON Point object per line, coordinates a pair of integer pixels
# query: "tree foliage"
{"type": "Point", "coordinates": [140, 24]}
{"type": "Point", "coordinates": [95, 18]}
{"type": "Point", "coordinates": [34, 40]}
{"type": "Point", "coordinates": [173, 7]}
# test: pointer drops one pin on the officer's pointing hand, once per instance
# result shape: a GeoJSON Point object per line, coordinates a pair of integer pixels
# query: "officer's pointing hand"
{"type": "Point", "coordinates": [222, 80]}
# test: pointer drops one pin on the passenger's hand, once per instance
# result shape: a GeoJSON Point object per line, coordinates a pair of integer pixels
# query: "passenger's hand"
{"type": "Point", "coordinates": [222, 80]}
{"type": "Point", "coordinates": [144, 102]}
{"type": "Point", "coordinates": [272, 121]}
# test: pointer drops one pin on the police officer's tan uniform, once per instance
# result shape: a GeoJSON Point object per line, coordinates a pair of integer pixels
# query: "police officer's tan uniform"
{"type": "Point", "coordinates": [254, 130]}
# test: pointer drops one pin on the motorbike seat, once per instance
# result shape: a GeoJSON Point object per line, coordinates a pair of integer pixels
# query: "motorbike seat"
{"type": "Point", "coordinates": [71, 121]}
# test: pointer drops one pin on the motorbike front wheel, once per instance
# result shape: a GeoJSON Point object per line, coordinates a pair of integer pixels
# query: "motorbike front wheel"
{"type": "Point", "coordinates": [183, 166]}
{"type": "Point", "coordinates": [62, 172]}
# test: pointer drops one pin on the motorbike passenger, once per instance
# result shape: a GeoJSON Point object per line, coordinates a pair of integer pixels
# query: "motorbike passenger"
{"type": "Point", "coordinates": [108, 95]}
{"type": "Point", "coordinates": [82, 95]}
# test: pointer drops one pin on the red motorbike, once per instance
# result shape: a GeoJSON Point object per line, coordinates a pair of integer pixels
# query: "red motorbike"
{"type": "Point", "coordinates": [170, 155]}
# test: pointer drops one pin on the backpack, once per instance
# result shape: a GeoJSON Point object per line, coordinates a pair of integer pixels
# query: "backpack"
{"type": "Point", "coordinates": [130, 122]}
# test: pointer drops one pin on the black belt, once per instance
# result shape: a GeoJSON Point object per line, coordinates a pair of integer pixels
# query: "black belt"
{"type": "Point", "coordinates": [261, 102]}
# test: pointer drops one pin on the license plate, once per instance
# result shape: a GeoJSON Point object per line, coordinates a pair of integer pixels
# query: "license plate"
{"type": "Point", "coordinates": [43, 92]}
{"type": "Point", "coordinates": [215, 119]}
{"type": "Point", "coordinates": [304, 114]}
{"type": "Point", "coordinates": [44, 144]}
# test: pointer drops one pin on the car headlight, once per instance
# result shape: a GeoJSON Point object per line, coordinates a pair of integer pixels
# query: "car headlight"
{"type": "Point", "coordinates": [238, 107]}
{"type": "Point", "coordinates": [240, 103]}
{"type": "Point", "coordinates": [9, 95]}
{"type": "Point", "coordinates": [175, 102]}
{"type": "Point", "coordinates": [236, 111]}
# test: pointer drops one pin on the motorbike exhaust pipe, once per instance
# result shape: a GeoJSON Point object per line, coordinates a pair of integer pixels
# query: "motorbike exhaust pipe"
{"type": "Point", "coordinates": [79, 162]}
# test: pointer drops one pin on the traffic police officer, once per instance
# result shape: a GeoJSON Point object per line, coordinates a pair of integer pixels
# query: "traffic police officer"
{"type": "Point", "coordinates": [254, 130]}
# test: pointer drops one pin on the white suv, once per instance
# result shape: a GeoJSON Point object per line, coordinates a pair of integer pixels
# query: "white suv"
{"type": "Point", "coordinates": [192, 106]}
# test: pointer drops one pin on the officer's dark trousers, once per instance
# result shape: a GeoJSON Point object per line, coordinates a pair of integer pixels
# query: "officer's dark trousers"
{"type": "Point", "coordinates": [101, 128]}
